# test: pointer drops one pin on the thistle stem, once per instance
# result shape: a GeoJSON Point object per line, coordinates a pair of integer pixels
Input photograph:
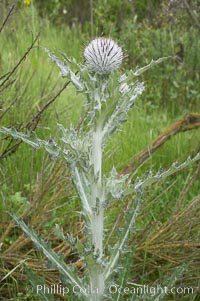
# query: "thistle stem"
{"type": "Point", "coordinates": [97, 217]}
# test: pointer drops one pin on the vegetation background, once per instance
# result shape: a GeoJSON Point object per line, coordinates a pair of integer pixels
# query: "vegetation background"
{"type": "Point", "coordinates": [33, 97]}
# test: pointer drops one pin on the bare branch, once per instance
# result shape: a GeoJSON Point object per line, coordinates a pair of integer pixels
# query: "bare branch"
{"type": "Point", "coordinates": [7, 17]}
{"type": "Point", "coordinates": [189, 121]}
{"type": "Point", "coordinates": [20, 61]}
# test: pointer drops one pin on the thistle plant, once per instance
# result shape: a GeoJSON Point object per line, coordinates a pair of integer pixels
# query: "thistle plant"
{"type": "Point", "coordinates": [109, 96]}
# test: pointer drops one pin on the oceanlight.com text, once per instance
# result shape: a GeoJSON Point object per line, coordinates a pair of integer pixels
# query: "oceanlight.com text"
{"type": "Point", "coordinates": [141, 290]}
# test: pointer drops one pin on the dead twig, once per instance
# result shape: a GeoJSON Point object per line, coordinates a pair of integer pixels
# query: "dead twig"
{"type": "Point", "coordinates": [20, 61]}
{"type": "Point", "coordinates": [7, 17]}
{"type": "Point", "coordinates": [34, 122]}
{"type": "Point", "coordinates": [189, 121]}
{"type": "Point", "coordinates": [31, 125]}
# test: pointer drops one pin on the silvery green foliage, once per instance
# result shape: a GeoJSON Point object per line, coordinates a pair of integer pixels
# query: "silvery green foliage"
{"type": "Point", "coordinates": [162, 175]}
{"type": "Point", "coordinates": [30, 138]}
{"type": "Point", "coordinates": [116, 185]}
{"type": "Point", "coordinates": [109, 98]}
{"type": "Point", "coordinates": [57, 261]}
{"type": "Point", "coordinates": [120, 246]}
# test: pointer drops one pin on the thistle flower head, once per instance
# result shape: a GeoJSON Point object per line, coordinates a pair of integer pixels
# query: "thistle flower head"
{"type": "Point", "coordinates": [103, 55]}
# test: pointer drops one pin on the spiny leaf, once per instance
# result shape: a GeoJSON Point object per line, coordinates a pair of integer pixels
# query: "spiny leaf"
{"type": "Point", "coordinates": [122, 108]}
{"type": "Point", "coordinates": [66, 71]}
{"type": "Point", "coordinates": [120, 245]}
{"type": "Point", "coordinates": [82, 185]}
{"type": "Point", "coordinates": [116, 185]}
{"type": "Point", "coordinates": [145, 68]}
{"type": "Point", "coordinates": [151, 179]}
{"type": "Point", "coordinates": [29, 138]}
{"type": "Point", "coordinates": [50, 254]}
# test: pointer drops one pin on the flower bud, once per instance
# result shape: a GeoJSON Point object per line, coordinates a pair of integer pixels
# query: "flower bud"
{"type": "Point", "coordinates": [103, 55]}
